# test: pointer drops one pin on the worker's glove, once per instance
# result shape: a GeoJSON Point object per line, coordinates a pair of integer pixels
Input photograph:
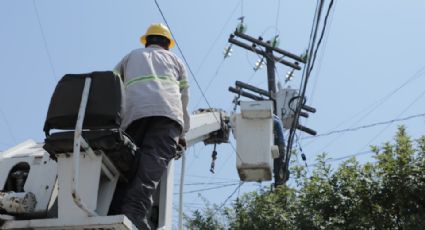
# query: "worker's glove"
{"type": "Point", "coordinates": [182, 142]}
{"type": "Point", "coordinates": [181, 148]}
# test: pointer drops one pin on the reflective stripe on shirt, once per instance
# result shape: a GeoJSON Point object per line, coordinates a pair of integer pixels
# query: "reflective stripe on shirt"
{"type": "Point", "coordinates": [149, 78]}
{"type": "Point", "coordinates": [182, 84]}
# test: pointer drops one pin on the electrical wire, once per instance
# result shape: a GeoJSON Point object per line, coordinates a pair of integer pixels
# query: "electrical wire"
{"type": "Point", "coordinates": [209, 177]}
{"type": "Point", "coordinates": [325, 23]}
{"type": "Point", "coordinates": [311, 58]}
{"type": "Point", "coordinates": [208, 183]}
{"type": "Point", "coordinates": [318, 70]}
{"type": "Point", "coordinates": [234, 149]}
{"type": "Point", "coordinates": [189, 165]}
{"type": "Point", "coordinates": [228, 198]}
{"type": "Point", "coordinates": [252, 75]}
{"type": "Point", "coordinates": [380, 102]}
{"type": "Point", "coordinates": [210, 49]}
{"type": "Point", "coordinates": [217, 38]}
{"type": "Point", "coordinates": [207, 189]}
{"type": "Point", "coordinates": [401, 113]}
{"type": "Point", "coordinates": [211, 80]}
{"type": "Point", "coordinates": [187, 63]}
{"type": "Point", "coordinates": [194, 205]}
{"type": "Point", "coordinates": [366, 126]}
{"type": "Point", "coordinates": [196, 157]}
{"type": "Point", "coordinates": [317, 75]}
{"type": "Point", "coordinates": [343, 157]}
{"type": "Point", "coordinates": [304, 81]}
{"type": "Point", "coordinates": [321, 56]}
{"type": "Point", "coordinates": [313, 33]}
{"type": "Point", "coordinates": [46, 47]}
{"type": "Point", "coordinates": [375, 105]}
{"type": "Point", "coordinates": [184, 57]}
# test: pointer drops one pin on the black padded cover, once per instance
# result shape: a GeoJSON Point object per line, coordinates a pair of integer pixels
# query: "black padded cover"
{"type": "Point", "coordinates": [103, 108]}
{"type": "Point", "coordinates": [114, 143]}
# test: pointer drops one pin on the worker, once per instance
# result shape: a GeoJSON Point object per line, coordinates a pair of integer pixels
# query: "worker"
{"type": "Point", "coordinates": [154, 116]}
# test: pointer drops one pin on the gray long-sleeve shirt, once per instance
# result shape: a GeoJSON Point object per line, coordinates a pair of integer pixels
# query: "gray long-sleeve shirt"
{"type": "Point", "coordinates": [156, 84]}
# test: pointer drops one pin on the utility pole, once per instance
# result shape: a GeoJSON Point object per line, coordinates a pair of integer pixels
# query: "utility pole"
{"type": "Point", "coordinates": [267, 50]}
{"type": "Point", "coordinates": [271, 77]}
{"type": "Point", "coordinates": [268, 54]}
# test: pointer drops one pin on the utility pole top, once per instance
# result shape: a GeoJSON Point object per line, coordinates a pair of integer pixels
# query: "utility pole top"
{"type": "Point", "coordinates": [266, 50]}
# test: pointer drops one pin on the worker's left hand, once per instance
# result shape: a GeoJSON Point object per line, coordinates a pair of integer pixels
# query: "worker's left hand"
{"type": "Point", "coordinates": [181, 148]}
{"type": "Point", "coordinates": [182, 142]}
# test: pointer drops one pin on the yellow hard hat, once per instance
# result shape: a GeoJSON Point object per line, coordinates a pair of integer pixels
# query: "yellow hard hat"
{"type": "Point", "coordinates": [157, 29]}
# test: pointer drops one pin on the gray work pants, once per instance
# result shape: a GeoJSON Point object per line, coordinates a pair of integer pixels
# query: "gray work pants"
{"type": "Point", "coordinates": [157, 138]}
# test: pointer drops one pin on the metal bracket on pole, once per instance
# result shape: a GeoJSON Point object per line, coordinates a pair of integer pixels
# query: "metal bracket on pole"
{"type": "Point", "coordinates": [252, 88]}
{"type": "Point", "coordinates": [263, 53]}
{"type": "Point", "coordinates": [269, 46]}
{"type": "Point", "coordinates": [240, 92]}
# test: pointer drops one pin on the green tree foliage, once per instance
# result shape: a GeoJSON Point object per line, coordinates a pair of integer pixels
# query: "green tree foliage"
{"type": "Point", "coordinates": [386, 194]}
{"type": "Point", "coordinates": [204, 221]}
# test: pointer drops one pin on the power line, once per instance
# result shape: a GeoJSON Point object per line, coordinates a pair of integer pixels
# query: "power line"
{"type": "Point", "coordinates": [381, 101]}
{"type": "Point", "coordinates": [321, 59]}
{"type": "Point", "coordinates": [194, 205]}
{"type": "Point", "coordinates": [227, 199]}
{"type": "Point", "coordinates": [304, 80]}
{"type": "Point", "coordinates": [252, 75]}
{"type": "Point", "coordinates": [46, 47]}
{"type": "Point", "coordinates": [211, 80]}
{"type": "Point", "coordinates": [366, 126]}
{"type": "Point", "coordinates": [224, 163]}
{"type": "Point", "coordinates": [342, 158]}
{"type": "Point", "coordinates": [207, 189]}
{"type": "Point", "coordinates": [311, 58]}
{"type": "Point", "coordinates": [325, 23]}
{"type": "Point", "coordinates": [375, 105]}
{"type": "Point", "coordinates": [184, 58]}
{"type": "Point", "coordinates": [207, 183]}
{"type": "Point", "coordinates": [187, 63]}
{"type": "Point", "coordinates": [218, 36]}
{"type": "Point", "coordinates": [316, 79]}
{"type": "Point", "coordinates": [372, 107]}
{"type": "Point", "coordinates": [387, 123]}
{"type": "Point", "coordinates": [313, 34]}
{"type": "Point", "coordinates": [196, 158]}
{"type": "Point", "coordinates": [404, 110]}
{"type": "Point", "coordinates": [210, 49]}
{"type": "Point", "coordinates": [208, 177]}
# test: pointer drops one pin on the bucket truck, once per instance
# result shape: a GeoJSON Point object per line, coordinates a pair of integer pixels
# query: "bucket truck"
{"type": "Point", "coordinates": [68, 181]}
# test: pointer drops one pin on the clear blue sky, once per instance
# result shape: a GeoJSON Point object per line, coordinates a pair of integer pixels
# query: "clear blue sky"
{"type": "Point", "coordinates": [371, 49]}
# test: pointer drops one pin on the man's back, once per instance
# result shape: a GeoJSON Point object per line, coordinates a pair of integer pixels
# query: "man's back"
{"type": "Point", "coordinates": [154, 79]}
